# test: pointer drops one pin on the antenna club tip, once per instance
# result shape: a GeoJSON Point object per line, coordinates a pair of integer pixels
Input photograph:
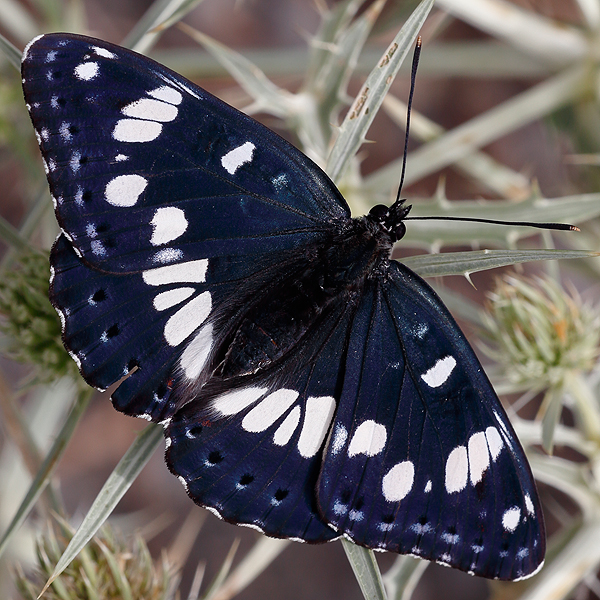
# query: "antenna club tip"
{"type": "Point", "coordinates": [573, 228]}
{"type": "Point", "coordinates": [419, 41]}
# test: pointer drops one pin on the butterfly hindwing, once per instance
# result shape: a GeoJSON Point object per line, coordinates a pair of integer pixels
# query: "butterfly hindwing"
{"type": "Point", "coordinates": [253, 451]}
{"type": "Point", "coordinates": [422, 459]}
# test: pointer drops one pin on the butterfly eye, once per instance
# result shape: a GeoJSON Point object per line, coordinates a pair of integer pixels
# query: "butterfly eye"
{"type": "Point", "coordinates": [399, 230]}
{"type": "Point", "coordinates": [379, 212]}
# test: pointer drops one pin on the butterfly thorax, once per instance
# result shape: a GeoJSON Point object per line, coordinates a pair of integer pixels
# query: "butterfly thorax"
{"type": "Point", "coordinates": [333, 270]}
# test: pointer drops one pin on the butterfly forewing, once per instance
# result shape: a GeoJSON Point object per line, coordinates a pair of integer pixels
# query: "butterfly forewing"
{"type": "Point", "coordinates": [308, 386]}
{"type": "Point", "coordinates": [139, 160]}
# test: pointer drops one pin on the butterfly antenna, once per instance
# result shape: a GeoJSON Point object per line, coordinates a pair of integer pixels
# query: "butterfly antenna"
{"type": "Point", "coordinates": [555, 226]}
{"type": "Point", "coordinates": [413, 78]}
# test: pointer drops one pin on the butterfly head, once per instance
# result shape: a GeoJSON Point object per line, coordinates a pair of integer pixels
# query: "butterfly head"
{"type": "Point", "coordinates": [390, 218]}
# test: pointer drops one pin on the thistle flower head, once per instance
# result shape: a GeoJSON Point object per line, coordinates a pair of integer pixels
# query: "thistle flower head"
{"type": "Point", "coordinates": [542, 332]}
{"type": "Point", "coordinates": [110, 567]}
{"type": "Point", "coordinates": [30, 323]}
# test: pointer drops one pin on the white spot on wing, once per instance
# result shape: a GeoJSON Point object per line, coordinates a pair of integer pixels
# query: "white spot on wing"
{"type": "Point", "coordinates": [511, 518]}
{"type": "Point", "coordinates": [450, 538]}
{"type": "Point", "coordinates": [152, 110]}
{"type": "Point", "coordinates": [479, 457]}
{"type": "Point", "coordinates": [121, 157]}
{"type": "Point", "coordinates": [97, 248]}
{"type": "Point", "coordinates": [124, 190]}
{"type": "Point", "coordinates": [75, 161]}
{"type": "Point", "coordinates": [529, 505]}
{"type": "Point", "coordinates": [64, 131]}
{"type": "Point", "coordinates": [339, 438]}
{"type": "Point", "coordinates": [369, 438]}
{"type": "Point", "coordinates": [398, 481]}
{"type": "Point", "coordinates": [318, 413]}
{"type": "Point", "coordinates": [235, 158]}
{"type": "Point", "coordinates": [187, 319]}
{"type": "Point", "coordinates": [495, 443]}
{"type": "Point", "coordinates": [339, 508]}
{"type": "Point", "coordinates": [194, 357]}
{"type": "Point", "coordinates": [103, 52]}
{"type": "Point", "coordinates": [232, 403]}
{"type": "Point", "coordinates": [286, 430]}
{"type": "Point", "coordinates": [421, 528]}
{"type": "Point", "coordinates": [166, 94]}
{"type": "Point", "coordinates": [457, 469]}
{"type": "Point", "coordinates": [167, 255]}
{"type": "Point", "coordinates": [428, 486]}
{"type": "Point", "coordinates": [420, 330]}
{"type": "Point", "coordinates": [168, 223]}
{"type": "Point", "coordinates": [136, 130]}
{"type": "Point", "coordinates": [86, 71]}
{"type": "Point", "coordinates": [280, 182]}
{"type": "Point", "coordinates": [193, 271]}
{"type": "Point", "coordinates": [270, 408]}
{"type": "Point", "coordinates": [439, 373]}
{"type": "Point", "coordinates": [171, 298]}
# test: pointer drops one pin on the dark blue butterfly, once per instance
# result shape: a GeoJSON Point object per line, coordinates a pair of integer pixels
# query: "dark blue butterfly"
{"type": "Point", "coordinates": [308, 385]}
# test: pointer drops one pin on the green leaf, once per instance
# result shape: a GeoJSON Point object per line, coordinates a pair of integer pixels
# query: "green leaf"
{"type": "Point", "coordinates": [326, 90]}
{"type": "Point", "coordinates": [223, 571]}
{"type": "Point", "coordinates": [116, 485]}
{"type": "Point", "coordinates": [488, 172]}
{"type": "Point", "coordinates": [464, 263]}
{"type": "Point", "coordinates": [353, 130]}
{"type": "Point", "coordinates": [366, 570]}
{"type": "Point", "coordinates": [555, 42]}
{"type": "Point", "coordinates": [553, 401]}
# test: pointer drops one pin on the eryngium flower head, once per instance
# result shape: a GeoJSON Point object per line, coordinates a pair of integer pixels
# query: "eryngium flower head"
{"type": "Point", "coordinates": [542, 332]}
{"type": "Point", "coordinates": [110, 567]}
{"type": "Point", "coordinates": [30, 323]}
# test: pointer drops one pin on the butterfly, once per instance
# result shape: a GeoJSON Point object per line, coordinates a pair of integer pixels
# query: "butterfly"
{"type": "Point", "coordinates": [309, 386]}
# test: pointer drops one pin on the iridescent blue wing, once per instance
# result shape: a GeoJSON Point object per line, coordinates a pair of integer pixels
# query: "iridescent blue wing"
{"type": "Point", "coordinates": [422, 459]}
